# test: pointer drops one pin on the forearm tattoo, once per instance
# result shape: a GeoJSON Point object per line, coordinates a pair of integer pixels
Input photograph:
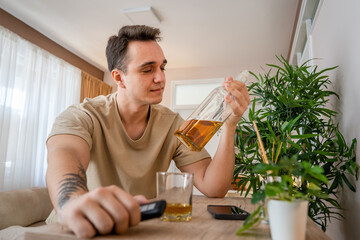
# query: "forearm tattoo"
{"type": "Point", "coordinates": [70, 184]}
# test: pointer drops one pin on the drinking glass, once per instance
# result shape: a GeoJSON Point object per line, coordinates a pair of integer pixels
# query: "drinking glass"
{"type": "Point", "coordinates": [176, 188]}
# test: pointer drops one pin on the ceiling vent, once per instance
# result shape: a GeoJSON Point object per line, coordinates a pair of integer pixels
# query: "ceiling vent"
{"type": "Point", "coordinates": [142, 15]}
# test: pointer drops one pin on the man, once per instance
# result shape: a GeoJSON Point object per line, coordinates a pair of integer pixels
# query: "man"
{"type": "Point", "coordinates": [106, 150]}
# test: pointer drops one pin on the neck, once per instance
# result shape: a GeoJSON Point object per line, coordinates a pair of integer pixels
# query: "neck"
{"type": "Point", "coordinates": [134, 117]}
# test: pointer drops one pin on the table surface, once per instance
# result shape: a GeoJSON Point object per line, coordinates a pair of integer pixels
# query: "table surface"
{"type": "Point", "coordinates": [201, 226]}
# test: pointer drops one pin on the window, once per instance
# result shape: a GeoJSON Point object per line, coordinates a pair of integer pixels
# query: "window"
{"type": "Point", "coordinates": [188, 94]}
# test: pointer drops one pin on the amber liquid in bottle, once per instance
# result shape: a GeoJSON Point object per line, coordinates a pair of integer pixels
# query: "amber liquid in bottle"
{"type": "Point", "coordinates": [196, 133]}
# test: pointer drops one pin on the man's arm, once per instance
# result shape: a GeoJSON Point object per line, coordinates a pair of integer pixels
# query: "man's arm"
{"type": "Point", "coordinates": [68, 159]}
{"type": "Point", "coordinates": [84, 212]}
{"type": "Point", "coordinates": [213, 177]}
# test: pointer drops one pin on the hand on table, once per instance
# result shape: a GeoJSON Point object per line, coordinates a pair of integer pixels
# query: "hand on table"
{"type": "Point", "coordinates": [101, 211]}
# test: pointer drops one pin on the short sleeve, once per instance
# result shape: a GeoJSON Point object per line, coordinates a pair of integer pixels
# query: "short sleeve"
{"type": "Point", "coordinates": [74, 121]}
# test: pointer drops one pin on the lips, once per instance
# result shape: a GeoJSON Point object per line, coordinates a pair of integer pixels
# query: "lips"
{"type": "Point", "coordinates": [157, 90]}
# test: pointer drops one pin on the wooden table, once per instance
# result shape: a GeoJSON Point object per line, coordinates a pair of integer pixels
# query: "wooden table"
{"type": "Point", "coordinates": [201, 226]}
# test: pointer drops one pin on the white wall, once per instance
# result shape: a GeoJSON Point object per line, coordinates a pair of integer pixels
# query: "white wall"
{"type": "Point", "coordinates": [336, 39]}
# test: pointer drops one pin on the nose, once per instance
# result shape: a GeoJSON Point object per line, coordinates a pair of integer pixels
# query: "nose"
{"type": "Point", "coordinates": [159, 76]}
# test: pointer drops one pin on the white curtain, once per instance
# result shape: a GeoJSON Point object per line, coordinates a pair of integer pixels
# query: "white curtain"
{"type": "Point", "coordinates": [35, 87]}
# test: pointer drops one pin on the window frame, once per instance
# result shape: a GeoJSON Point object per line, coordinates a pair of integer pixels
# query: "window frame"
{"type": "Point", "coordinates": [301, 49]}
{"type": "Point", "coordinates": [176, 83]}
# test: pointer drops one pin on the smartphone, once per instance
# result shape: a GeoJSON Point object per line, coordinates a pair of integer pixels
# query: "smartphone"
{"type": "Point", "coordinates": [227, 212]}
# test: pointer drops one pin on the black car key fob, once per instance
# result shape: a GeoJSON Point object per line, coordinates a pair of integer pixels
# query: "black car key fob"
{"type": "Point", "coordinates": [152, 209]}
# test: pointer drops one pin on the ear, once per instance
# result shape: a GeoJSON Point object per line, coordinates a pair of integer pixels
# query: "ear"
{"type": "Point", "coordinates": [118, 77]}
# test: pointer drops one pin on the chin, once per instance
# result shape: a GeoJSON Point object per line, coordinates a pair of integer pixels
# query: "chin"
{"type": "Point", "coordinates": [152, 100]}
{"type": "Point", "coordinates": [157, 101]}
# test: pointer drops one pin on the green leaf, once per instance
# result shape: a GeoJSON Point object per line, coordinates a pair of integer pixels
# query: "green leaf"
{"type": "Point", "coordinates": [347, 165]}
{"type": "Point", "coordinates": [306, 165]}
{"type": "Point", "coordinates": [258, 196]}
{"type": "Point", "coordinates": [347, 182]}
{"type": "Point", "coordinates": [293, 144]}
{"type": "Point", "coordinates": [320, 177]}
{"type": "Point", "coordinates": [325, 153]}
{"type": "Point", "coordinates": [340, 141]}
{"type": "Point", "coordinates": [293, 121]}
{"type": "Point", "coordinates": [272, 190]}
{"type": "Point", "coordinates": [251, 220]}
{"type": "Point", "coordinates": [316, 170]}
{"type": "Point", "coordinates": [354, 166]}
{"type": "Point", "coordinates": [284, 126]}
{"type": "Point", "coordinates": [304, 136]}
{"type": "Point", "coordinates": [271, 130]}
{"type": "Point", "coordinates": [313, 186]}
{"type": "Point", "coordinates": [334, 184]}
{"type": "Point", "coordinates": [262, 168]}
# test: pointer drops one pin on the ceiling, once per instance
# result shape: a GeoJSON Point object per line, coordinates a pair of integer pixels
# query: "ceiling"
{"type": "Point", "coordinates": [196, 33]}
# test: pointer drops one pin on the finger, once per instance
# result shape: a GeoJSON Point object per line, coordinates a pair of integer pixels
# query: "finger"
{"type": "Point", "coordinates": [141, 199]}
{"type": "Point", "coordinates": [238, 107]}
{"type": "Point", "coordinates": [238, 102]}
{"type": "Point", "coordinates": [114, 208]}
{"type": "Point", "coordinates": [122, 220]}
{"type": "Point", "coordinates": [112, 200]}
{"type": "Point", "coordinates": [239, 91]}
{"type": "Point", "coordinates": [232, 85]}
{"type": "Point", "coordinates": [229, 79]}
{"type": "Point", "coordinates": [130, 203]}
{"type": "Point", "coordinates": [115, 203]}
{"type": "Point", "coordinates": [81, 227]}
{"type": "Point", "coordinates": [98, 217]}
{"type": "Point", "coordinates": [73, 219]}
{"type": "Point", "coordinates": [234, 105]}
{"type": "Point", "coordinates": [241, 96]}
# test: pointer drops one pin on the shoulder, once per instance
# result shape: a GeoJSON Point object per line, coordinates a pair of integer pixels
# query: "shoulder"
{"type": "Point", "coordinates": [160, 109]}
{"type": "Point", "coordinates": [162, 112]}
{"type": "Point", "coordinates": [91, 108]}
{"type": "Point", "coordinates": [100, 101]}
{"type": "Point", "coordinates": [164, 118]}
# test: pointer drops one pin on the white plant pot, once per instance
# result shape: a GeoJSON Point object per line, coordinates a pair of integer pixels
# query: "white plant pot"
{"type": "Point", "coordinates": [288, 219]}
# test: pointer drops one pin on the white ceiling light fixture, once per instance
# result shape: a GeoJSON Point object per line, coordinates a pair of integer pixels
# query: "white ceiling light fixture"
{"type": "Point", "coordinates": [142, 15]}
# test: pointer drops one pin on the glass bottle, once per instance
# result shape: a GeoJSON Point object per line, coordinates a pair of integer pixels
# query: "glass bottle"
{"type": "Point", "coordinates": [205, 121]}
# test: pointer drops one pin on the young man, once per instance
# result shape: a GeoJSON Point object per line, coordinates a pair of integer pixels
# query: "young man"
{"type": "Point", "coordinates": [105, 152]}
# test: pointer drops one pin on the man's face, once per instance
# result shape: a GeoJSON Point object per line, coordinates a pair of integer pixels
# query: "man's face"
{"type": "Point", "coordinates": [145, 78]}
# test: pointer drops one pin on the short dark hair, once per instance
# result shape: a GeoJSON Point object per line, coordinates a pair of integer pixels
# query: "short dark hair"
{"type": "Point", "coordinates": [117, 45]}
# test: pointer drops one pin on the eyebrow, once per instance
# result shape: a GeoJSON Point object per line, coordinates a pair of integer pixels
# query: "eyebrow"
{"type": "Point", "coordinates": [150, 63]}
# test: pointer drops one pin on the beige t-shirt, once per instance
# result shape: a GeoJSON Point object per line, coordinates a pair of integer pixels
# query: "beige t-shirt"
{"type": "Point", "coordinates": [117, 159]}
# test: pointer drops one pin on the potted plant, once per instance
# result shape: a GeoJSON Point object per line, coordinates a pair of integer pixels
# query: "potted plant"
{"type": "Point", "coordinates": [292, 113]}
{"type": "Point", "coordinates": [283, 197]}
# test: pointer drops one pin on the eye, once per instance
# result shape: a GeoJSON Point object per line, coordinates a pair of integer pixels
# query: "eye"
{"type": "Point", "coordinates": [147, 70]}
